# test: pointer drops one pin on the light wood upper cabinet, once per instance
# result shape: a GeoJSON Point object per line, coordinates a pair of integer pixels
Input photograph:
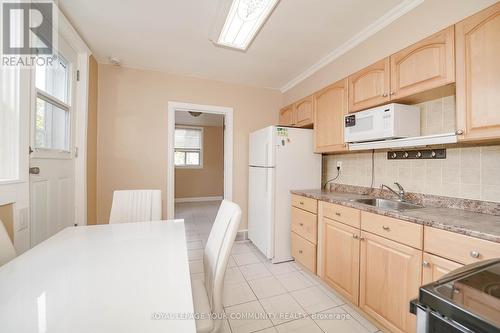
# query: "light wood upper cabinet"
{"type": "Point", "coordinates": [425, 65]}
{"type": "Point", "coordinates": [341, 258]}
{"type": "Point", "coordinates": [390, 275]}
{"type": "Point", "coordinates": [435, 267]}
{"type": "Point", "coordinates": [478, 75]}
{"type": "Point", "coordinates": [287, 116]}
{"type": "Point", "coordinates": [304, 112]}
{"type": "Point", "coordinates": [370, 86]}
{"type": "Point", "coordinates": [330, 106]}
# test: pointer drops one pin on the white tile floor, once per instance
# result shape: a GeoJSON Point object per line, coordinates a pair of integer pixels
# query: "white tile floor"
{"type": "Point", "coordinates": [284, 297]}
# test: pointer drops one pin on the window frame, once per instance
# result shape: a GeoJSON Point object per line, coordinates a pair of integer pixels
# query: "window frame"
{"type": "Point", "coordinates": [200, 151]}
{"type": "Point", "coordinates": [54, 101]}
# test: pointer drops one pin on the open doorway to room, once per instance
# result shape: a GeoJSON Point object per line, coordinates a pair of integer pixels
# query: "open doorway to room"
{"type": "Point", "coordinates": [200, 164]}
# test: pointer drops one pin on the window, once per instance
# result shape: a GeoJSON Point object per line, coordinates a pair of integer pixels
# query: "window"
{"type": "Point", "coordinates": [9, 124]}
{"type": "Point", "coordinates": [52, 109]}
{"type": "Point", "coordinates": [189, 147]}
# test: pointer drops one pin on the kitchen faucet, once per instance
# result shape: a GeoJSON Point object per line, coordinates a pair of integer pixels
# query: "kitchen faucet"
{"type": "Point", "coordinates": [400, 194]}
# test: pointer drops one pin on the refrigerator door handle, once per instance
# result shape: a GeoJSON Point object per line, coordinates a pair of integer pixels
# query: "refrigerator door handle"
{"type": "Point", "coordinates": [267, 155]}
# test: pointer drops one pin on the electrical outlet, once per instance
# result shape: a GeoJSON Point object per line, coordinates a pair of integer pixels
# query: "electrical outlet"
{"type": "Point", "coordinates": [339, 165]}
{"type": "Point", "coordinates": [23, 219]}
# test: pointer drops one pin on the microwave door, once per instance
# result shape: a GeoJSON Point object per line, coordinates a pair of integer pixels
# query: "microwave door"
{"type": "Point", "coordinates": [362, 130]}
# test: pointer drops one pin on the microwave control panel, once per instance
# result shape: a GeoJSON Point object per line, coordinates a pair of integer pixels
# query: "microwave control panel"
{"type": "Point", "coordinates": [350, 121]}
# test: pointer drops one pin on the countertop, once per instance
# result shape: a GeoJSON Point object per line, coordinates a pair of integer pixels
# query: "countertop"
{"type": "Point", "coordinates": [464, 222]}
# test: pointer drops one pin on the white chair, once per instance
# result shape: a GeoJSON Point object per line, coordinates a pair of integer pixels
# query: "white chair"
{"type": "Point", "coordinates": [135, 206]}
{"type": "Point", "coordinates": [7, 251]}
{"type": "Point", "coordinates": [207, 295]}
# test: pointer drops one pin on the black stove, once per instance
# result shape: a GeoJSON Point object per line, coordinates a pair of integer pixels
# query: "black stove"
{"type": "Point", "coordinates": [466, 300]}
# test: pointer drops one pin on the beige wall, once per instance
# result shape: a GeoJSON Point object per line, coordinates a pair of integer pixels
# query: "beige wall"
{"type": "Point", "coordinates": [7, 218]}
{"type": "Point", "coordinates": [209, 180]}
{"type": "Point", "coordinates": [92, 143]}
{"type": "Point", "coordinates": [428, 18]}
{"type": "Point", "coordinates": [132, 132]}
{"type": "Point", "coordinates": [470, 173]}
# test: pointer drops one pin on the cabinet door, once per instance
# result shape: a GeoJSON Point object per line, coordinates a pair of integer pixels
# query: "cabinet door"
{"type": "Point", "coordinates": [330, 107]}
{"type": "Point", "coordinates": [341, 258]}
{"type": "Point", "coordinates": [304, 112]}
{"type": "Point", "coordinates": [390, 275]}
{"type": "Point", "coordinates": [370, 86]}
{"type": "Point", "coordinates": [435, 267]}
{"type": "Point", "coordinates": [287, 116]}
{"type": "Point", "coordinates": [478, 75]}
{"type": "Point", "coordinates": [425, 65]}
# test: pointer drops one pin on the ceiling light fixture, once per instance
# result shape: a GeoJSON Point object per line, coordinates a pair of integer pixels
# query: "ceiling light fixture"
{"type": "Point", "coordinates": [243, 21]}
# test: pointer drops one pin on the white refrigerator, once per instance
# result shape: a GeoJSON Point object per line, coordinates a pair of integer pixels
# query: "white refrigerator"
{"type": "Point", "coordinates": [280, 159]}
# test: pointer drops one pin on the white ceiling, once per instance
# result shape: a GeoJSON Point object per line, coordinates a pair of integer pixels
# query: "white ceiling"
{"type": "Point", "coordinates": [173, 36]}
{"type": "Point", "coordinates": [205, 119]}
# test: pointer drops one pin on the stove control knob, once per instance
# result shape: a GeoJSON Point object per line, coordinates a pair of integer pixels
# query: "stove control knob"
{"type": "Point", "coordinates": [474, 254]}
{"type": "Point", "coordinates": [418, 155]}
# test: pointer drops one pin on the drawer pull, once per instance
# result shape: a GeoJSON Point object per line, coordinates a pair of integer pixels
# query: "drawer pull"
{"type": "Point", "coordinates": [300, 251]}
{"type": "Point", "coordinates": [301, 224]}
{"type": "Point", "coordinates": [355, 236]}
{"type": "Point", "coordinates": [386, 228]}
{"type": "Point", "coordinates": [301, 202]}
{"type": "Point", "coordinates": [362, 238]}
{"type": "Point", "coordinates": [338, 214]}
{"type": "Point", "coordinates": [426, 264]}
{"type": "Point", "coordinates": [474, 254]}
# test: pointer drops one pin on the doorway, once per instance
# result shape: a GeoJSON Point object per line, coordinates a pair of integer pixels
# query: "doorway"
{"type": "Point", "coordinates": [193, 122]}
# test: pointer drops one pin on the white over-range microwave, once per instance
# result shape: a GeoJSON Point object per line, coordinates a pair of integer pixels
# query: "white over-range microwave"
{"type": "Point", "coordinates": [391, 121]}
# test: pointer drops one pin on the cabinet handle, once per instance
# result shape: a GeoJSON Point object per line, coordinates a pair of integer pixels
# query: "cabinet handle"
{"type": "Point", "coordinates": [426, 264]}
{"type": "Point", "coordinates": [384, 95]}
{"type": "Point", "coordinates": [392, 93]}
{"type": "Point", "coordinates": [301, 203]}
{"type": "Point", "coordinates": [338, 214]}
{"type": "Point", "coordinates": [301, 224]}
{"type": "Point", "coordinates": [300, 251]}
{"type": "Point", "coordinates": [474, 254]}
{"type": "Point", "coordinates": [355, 236]}
{"type": "Point", "coordinates": [456, 291]}
{"type": "Point", "coordinates": [459, 132]}
{"type": "Point", "coordinates": [386, 228]}
{"type": "Point", "coordinates": [362, 238]}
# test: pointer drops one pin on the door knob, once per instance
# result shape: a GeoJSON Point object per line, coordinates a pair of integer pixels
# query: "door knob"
{"type": "Point", "coordinates": [34, 171]}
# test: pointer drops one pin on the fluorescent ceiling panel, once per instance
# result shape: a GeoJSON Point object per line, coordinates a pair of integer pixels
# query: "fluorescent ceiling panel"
{"type": "Point", "coordinates": [244, 20]}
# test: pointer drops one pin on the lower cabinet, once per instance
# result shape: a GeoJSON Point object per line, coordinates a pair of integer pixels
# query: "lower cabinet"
{"type": "Point", "coordinates": [390, 276]}
{"type": "Point", "coordinates": [304, 252]}
{"type": "Point", "coordinates": [341, 258]}
{"type": "Point", "coordinates": [434, 267]}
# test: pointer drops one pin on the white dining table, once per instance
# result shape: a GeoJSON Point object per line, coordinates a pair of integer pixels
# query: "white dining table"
{"type": "Point", "coordinates": [119, 278]}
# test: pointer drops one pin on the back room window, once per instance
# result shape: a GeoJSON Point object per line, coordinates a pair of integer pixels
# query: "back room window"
{"type": "Point", "coordinates": [189, 147]}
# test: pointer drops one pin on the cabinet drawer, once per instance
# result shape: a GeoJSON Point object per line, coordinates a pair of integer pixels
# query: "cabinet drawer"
{"type": "Point", "coordinates": [347, 215]}
{"type": "Point", "coordinates": [400, 231]}
{"type": "Point", "coordinates": [304, 252]}
{"type": "Point", "coordinates": [311, 205]}
{"type": "Point", "coordinates": [459, 248]}
{"type": "Point", "coordinates": [305, 224]}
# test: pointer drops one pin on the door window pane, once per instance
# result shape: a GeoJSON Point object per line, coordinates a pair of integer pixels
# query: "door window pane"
{"type": "Point", "coordinates": [51, 126]}
{"type": "Point", "coordinates": [53, 80]}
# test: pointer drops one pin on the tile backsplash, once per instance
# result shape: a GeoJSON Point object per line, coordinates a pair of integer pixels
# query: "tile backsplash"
{"type": "Point", "coordinates": [469, 173]}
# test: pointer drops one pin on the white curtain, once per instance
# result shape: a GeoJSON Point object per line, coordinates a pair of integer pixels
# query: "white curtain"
{"type": "Point", "coordinates": [9, 123]}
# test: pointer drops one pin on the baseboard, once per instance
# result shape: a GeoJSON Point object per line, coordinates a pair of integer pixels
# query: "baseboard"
{"type": "Point", "coordinates": [242, 235]}
{"type": "Point", "coordinates": [198, 199]}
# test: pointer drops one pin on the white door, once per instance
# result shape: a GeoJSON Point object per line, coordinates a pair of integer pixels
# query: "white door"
{"type": "Point", "coordinates": [261, 209]}
{"type": "Point", "coordinates": [52, 160]}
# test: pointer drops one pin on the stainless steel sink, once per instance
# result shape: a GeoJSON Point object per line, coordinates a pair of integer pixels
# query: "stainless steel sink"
{"type": "Point", "coordinates": [389, 204]}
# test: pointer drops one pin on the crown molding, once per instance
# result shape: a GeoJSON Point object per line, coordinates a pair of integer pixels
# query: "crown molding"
{"type": "Point", "coordinates": [382, 22]}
